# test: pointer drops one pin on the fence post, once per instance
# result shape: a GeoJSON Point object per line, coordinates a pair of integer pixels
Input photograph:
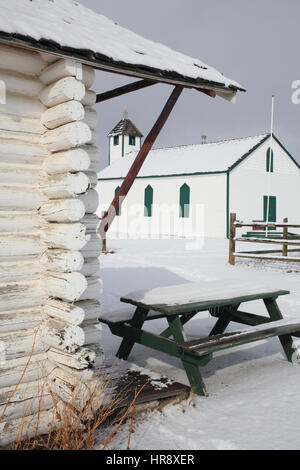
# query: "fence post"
{"type": "Point", "coordinates": [285, 236]}
{"type": "Point", "coordinates": [232, 235]}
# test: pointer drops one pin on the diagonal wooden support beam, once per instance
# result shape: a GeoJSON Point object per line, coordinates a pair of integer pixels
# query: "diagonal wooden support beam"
{"type": "Point", "coordinates": [124, 89]}
{"type": "Point", "coordinates": [138, 162]}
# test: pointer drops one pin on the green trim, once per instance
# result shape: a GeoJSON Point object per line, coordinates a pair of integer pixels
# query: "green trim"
{"type": "Point", "coordinates": [167, 176]}
{"type": "Point", "coordinates": [184, 201]}
{"type": "Point", "coordinates": [286, 151]}
{"type": "Point", "coordinates": [148, 201]}
{"type": "Point", "coordinates": [227, 203]}
{"type": "Point", "coordinates": [122, 145]}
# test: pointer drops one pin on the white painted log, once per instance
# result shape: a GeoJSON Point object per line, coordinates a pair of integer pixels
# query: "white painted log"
{"type": "Point", "coordinates": [66, 185]}
{"type": "Point", "coordinates": [93, 178]}
{"type": "Point", "coordinates": [70, 161]}
{"type": "Point", "coordinates": [17, 123]}
{"type": "Point", "coordinates": [83, 377]}
{"type": "Point", "coordinates": [11, 371]}
{"type": "Point", "coordinates": [93, 152]}
{"type": "Point", "coordinates": [88, 76]}
{"type": "Point", "coordinates": [18, 268]}
{"type": "Point", "coordinates": [90, 117]}
{"type": "Point", "coordinates": [62, 261]}
{"type": "Point", "coordinates": [64, 113]}
{"type": "Point", "coordinates": [89, 98]}
{"type": "Point", "coordinates": [63, 210]}
{"type": "Point", "coordinates": [21, 295]}
{"type": "Point", "coordinates": [20, 244]}
{"type": "Point", "coordinates": [93, 139]}
{"type": "Point", "coordinates": [65, 236]}
{"type": "Point", "coordinates": [66, 89]}
{"type": "Point", "coordinates": [14, 176]}
{"type": "Point", "coordinates": [25, 105]}
{"type": "Point", "coordinates": [28, 427]}
{"type": "Point", "coordinates": [92, 334]}
{"type": "Point", "coordinates": [93, 290]}
{"type": "Point", "coordinates": [20, 343]}
{"type": "Point", "coordinates": [68, 313]}
{"type": "Point", "coordinates": [20, 60]}
{"type": "Point", "coordinates": [20, 221]}
{"type": "Point", "coordinates": [91, 222]}
{"type": "Point", "coordinates": [67, 136]}
{"type": "Point", "coordinates": [69, 387]}
{"type": "Point", "coordinates": [21, 155]}
{"type": "Point", "coordinates": [21, 408]}
{"type": "Point", "coordinates": [92, 248]}
{"type": "Point", "coordinates": [20, 319]}
{"type": "Point", "coordinates": [22, 137]}
{"type": "Point", "coordinates": [48, 58]}
{"type": "Point", "coordinates": [10, 148]}
{"type": "Point", "coordinates": [20, 198]}
{"type": "Point", "coordinates": [21, 84]}
{"type": "Point", "coordinates": [66, 286]}
{"type": "Point", "coordinates": [82, 359]}
{"type": "Point", "coordinates": [90, 200]}
{"type": "Point", "coordinates": [73, 314]}
{"type": "Point", "coordinates": [61, 69]}
{"type": "Point", "coordinates": [90, 267]}
{"type": "Point", "coordinates": [99, 355]}
{"type": "Point", "coordinates": [64, 337]}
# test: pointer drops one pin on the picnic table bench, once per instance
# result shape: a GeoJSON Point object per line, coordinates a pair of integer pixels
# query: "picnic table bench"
{"type": "Point", "coordinates": [180, 303]}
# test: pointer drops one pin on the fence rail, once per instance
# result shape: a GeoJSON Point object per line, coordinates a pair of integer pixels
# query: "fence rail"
{"type": "Point", "coordinates": [273, 255]}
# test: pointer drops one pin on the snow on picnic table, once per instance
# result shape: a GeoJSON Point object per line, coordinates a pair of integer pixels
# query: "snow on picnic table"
{"type": "Point", "coordinates": [253, 398]}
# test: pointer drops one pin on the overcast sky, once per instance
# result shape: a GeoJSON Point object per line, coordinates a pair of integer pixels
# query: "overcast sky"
{"type": "Point", "coordinates": [253, 42]}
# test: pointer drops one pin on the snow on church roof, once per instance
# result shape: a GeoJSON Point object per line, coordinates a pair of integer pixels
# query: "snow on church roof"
{"type": "Point", "coordinates": [66, 27]}
{"type": "Point", "coordinates": [187, 159]}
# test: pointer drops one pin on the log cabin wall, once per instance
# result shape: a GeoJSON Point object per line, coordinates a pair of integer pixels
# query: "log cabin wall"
{"type": "Point", "coordinates": [49, 289]}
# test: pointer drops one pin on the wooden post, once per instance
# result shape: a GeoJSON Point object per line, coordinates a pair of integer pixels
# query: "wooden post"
{"type": "Point", "coordinates": [104, 247]}
{"type": "Point", "coordinates": [232, 235]}
{"type": "Point", "coordinates": [285, 236]}
{"type": "Point", "coordinates": [138, 162]}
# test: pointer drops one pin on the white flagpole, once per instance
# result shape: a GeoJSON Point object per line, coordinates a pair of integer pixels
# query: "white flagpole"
{"type": "Point", "coordinates": [270, 162]}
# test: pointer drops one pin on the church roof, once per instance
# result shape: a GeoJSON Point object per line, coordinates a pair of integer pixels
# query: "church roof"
{"type": "Point", "coordinates": [213, 157]}
{"type": "Point", "coordinates": [125, 127]}
{"type": "Point", "coordinates": [69, 29]}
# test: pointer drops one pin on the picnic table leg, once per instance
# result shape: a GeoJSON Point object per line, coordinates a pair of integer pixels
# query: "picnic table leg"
{"type": "Point", "coordinates": [192, 370]}
{"type": "Point", "coordinates": [127, 344]}
{"type": "Point", "coordinates": [223, 320]}
{"type": "Point", "coordinates": [286, 341]}
{"type": "Point", "coordinates": [184, 319]}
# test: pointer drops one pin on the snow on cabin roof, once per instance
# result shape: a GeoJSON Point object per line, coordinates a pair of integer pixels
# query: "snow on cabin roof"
{"type": "Point", "coordinates": [125, 127]}
{"type": "Point", "coordinates": [187, 159]}
{"type": "Point", "coordinates": [67, 27]}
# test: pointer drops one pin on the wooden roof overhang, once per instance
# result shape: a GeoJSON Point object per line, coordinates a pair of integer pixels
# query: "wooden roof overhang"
{"type": "Point", "coordinates": [148, 77]}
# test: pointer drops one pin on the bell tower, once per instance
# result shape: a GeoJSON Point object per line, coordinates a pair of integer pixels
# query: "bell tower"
{"type": "Point", "coordinates": [124, 138]}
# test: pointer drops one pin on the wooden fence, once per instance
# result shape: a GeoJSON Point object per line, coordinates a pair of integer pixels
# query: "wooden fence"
{"type": "Point", "coordinates": [270, 237]}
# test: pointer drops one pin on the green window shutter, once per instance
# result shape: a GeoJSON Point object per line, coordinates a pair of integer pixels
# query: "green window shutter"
{"type": "Point", "coordinates": [272, 203]}
{"type": "Point", "coordinates": [148, 201]}
{"type": "Point", "coordinates": [116, 192]}
{"type": "Point", "coordinates": [184, 201]}
{"type": "Point", "coordinates": [270, 161]}
{"type": "Point", "coordinates": [116, 140]}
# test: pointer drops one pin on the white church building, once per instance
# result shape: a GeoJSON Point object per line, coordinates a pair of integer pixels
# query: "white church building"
{"type": "Point", "coordinates": [190, 190]}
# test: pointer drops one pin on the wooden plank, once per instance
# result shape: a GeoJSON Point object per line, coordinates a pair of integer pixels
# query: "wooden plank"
{"type": "Point", "coordinates": [138, 162]}
{"type": "Point", "coordinates": [204, 305]}
{"type": "Point", "coordinates": [128, 378]}
{"type": "Point", "coordinates": [265, 224]}
{"type": "Point", "coordinates": [277, 241]}
{"type": "Point", "coordinates": [124, 89]}
{"type": "Point", "coordinates": [268, 257]}
{"type": "Point", "coordinates": [237, 338]}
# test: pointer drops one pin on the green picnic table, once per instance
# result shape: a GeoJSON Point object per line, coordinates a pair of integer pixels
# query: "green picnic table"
{"type": "Point", "coordinates": [180, 303]}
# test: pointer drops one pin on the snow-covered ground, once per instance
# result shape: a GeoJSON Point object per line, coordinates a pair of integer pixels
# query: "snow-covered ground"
{"type": "Point", "coordinates": [253, 398]}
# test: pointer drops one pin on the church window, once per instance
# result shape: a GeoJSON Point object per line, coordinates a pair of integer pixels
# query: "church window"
{"type": "Point", "coordinates": [148, 201]}
{"type": "Point", "coordinates": [116, 140]}
{"type": "Point", "coordinates": [132, 140]}
{"type": "Point", "coordinates": [116, 192]}
{"type": "Point", "coordinates": [270, 161]}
